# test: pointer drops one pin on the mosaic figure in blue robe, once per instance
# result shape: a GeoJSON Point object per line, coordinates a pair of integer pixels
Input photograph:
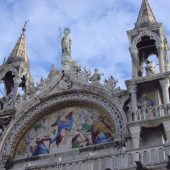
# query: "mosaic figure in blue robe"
{"type": "Point", "coordinates": [41, 148]}
{"type": "Point", "coordinates": [64, 124]}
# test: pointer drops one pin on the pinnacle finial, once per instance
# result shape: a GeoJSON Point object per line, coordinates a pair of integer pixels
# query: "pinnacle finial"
{"type": "Point", "coordinates": [66, 42]}
{"type": "Point", "coordinates": [146, 16]}
{"type": "Point", "coordinates": [66, 48]}
{"type": "Point", "coordinates": [24, 27]}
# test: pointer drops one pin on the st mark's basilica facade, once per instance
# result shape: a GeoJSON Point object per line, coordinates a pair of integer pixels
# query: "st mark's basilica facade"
{"type": "Point", "coordinates": [73, 121]}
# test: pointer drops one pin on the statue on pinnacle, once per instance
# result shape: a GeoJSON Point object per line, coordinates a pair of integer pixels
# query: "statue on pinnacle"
{"type": "Point", "coordinates": [66, 48]}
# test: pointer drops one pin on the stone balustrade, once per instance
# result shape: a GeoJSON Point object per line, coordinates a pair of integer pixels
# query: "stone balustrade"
{"type": "Point", "coordinates": [149, 113]}
{"type": "Point", "coordinates": [112, 158]}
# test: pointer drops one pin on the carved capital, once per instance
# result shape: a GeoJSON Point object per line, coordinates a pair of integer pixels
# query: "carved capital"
{"type": "Point", "coordinates": [133, 88]}
{"type": "Point", "coordinates": [135, 131]}
{"type": "Point", "coordinates": [164, 82]}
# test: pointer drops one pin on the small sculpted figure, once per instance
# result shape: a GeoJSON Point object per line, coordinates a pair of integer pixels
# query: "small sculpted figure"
{"type": "Point", "coordinates": [150, 68]}
{"type": "Point", "coordinates": [74, 68]}
{"type": "Point", "coordinates": [84, 75]}
{"type": "Point", "coordinates": [66, 43]}
{"type": "Point", "coordinates": [111, 83]}
{"type": "Point", "coordinates": [96, 76]}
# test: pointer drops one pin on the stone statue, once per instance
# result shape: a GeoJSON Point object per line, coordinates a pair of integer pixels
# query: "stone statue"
{"type": "Point", "coordinates": [84, 75]}
{"type": "Point", "coordinates": [41, 84]}
{"type": "Point", "coordinates": [96, 76]}
{"type": "Point", "coordinates": [53, 72]}
{"type": "Point", "coordinates": [74, 68]}
{"type": "Point", "coordinates": [150, 67]}
{"type": "Point", "coordinates": [66, 43]}
{"type": "Point", "coordinates": [111, 83]}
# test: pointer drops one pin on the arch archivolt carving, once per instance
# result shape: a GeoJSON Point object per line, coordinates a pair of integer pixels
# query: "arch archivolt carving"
{"type": "Point", "coordinates": [13, 70]}
{"type": "Point", "coordinates": [152, 35]}
{"type": "Point", "coordinates": [21, 126]}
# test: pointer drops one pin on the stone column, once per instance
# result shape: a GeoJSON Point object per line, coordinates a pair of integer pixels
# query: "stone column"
{"type": "Point", "coordinates": [165, 89]}
{"type": "Point", "coordinates": [2, 164]}
{"type": "Point", "coordinates": [133, 91]}
{"type": "Point", "coordinates": [135, 62]}
{"type": "Point", "coordinates": [161, 57]}
{"type": "Point", "coordinates": [5, 162]}
{"type": "Point", "coordinates": [135, 134]}
{"type": "Point", "coordinates": [166, 125]}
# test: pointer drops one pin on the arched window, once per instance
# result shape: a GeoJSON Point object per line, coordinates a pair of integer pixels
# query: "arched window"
{"type": "Point", "coordinates": [146, 51]}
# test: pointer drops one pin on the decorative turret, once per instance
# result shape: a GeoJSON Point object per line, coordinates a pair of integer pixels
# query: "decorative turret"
{"type": "Point", "coordinates": [66, 49]}
{"type": "Point", "coordinates": [146, 16]}
{"type": "Point", "coordinates": [15, 71]}
{"type": "Point", "coordinates": [147, 39]}
{"type": "Point", "coordinates": [19, 53]}
{"type": "Point", "coordinates": [149, 86]}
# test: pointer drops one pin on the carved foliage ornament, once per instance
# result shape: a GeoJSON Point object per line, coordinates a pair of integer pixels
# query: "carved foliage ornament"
{"type": "Point", "coordinates": [26, 121]}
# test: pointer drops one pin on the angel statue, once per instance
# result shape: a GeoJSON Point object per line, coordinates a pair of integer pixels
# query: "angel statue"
{"type": "Point", "coordinates": [96, 76]}
{"type": "Point", "coordinates": [84, 75]}
{"type": "Point", "coordinates": [111, 83]}
{"type": "Point", "coordinates": [66, 43]}
{"type": "Point", "coordinates": [150, 67]}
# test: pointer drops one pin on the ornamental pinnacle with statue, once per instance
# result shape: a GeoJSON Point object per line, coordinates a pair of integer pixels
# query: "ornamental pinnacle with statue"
{"type": "Point", "coordinates": [66, 49]}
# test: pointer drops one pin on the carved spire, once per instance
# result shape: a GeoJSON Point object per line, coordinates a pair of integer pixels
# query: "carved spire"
{"type": "Point", "coordinates": [146, 16]}
{"type": "Point", "coordinates": [19, 52]}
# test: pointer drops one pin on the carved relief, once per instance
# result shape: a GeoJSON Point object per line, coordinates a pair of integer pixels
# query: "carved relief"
{"type": "Point", "coordinates": [65, 83]}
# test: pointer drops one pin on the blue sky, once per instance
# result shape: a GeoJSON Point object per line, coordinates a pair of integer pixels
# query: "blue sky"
{"type": "Point", "coordinates": [98, 31]}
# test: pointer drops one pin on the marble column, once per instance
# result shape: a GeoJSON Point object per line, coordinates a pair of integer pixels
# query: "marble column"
{"type": "Point", "coordinates": [110, 162]}
{"type": "Point", "coordinates": [16, 84]}
{"type": "Point", "coordinates": [5, 161]}
{"type": "Point", "coordinates": [166, 125]}
{"type": "Point", "coordinates": [133, 91]}
{"type": "Point", "coordinates": [135, 134]}
{"type": "Point", "coordinates": [99, 163]}
{"type": "Point", "coordinates": [165, 89]}
{"type": "Point", "coordinates": [161, 57]}
{"type": "Point", "coordinates": [2, 165]}
{"type": "Point", "coordinates": [135, 62]}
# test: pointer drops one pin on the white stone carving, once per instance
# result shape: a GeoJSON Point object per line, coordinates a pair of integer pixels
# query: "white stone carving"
{"type": "Point", "coordinates": [96, 77]}
{"type": "Point", "coordinates": [24, 122]}
{"type": "Point", "coordinates": [84, 75]}
{"type": "Point", "coordinates": [65, 83]}
{"type": "Point", "coordinates": [111, 84]}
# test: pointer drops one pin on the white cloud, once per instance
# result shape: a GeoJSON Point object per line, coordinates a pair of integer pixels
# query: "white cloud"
{"type": "Point", "coordinates": [98, 30]}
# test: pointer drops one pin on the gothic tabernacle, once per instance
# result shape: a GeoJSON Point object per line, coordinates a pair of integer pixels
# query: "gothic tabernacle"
{"type": "Point", "coordinates": [73, 121]}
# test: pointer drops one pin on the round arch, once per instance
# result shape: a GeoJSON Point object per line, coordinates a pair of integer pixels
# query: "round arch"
{"type": "Point", "coordinates": [22, 125]}
{"type": "Point", "coordinates": [152, 35]}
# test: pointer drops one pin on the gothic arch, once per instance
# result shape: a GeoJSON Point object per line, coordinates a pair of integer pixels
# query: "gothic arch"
{"type": "Point", "coordinates": [13, 70]}
{"type": "Point", "coordinates": [20, 127]}
{"type": "Point", "coordinates": [152, 35]}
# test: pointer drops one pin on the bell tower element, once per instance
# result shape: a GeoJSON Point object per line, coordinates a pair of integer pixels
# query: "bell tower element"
{"type": "Point", "coordinates": [147, 39]}
{"type": "Point", "coordinates": [15, 72]}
